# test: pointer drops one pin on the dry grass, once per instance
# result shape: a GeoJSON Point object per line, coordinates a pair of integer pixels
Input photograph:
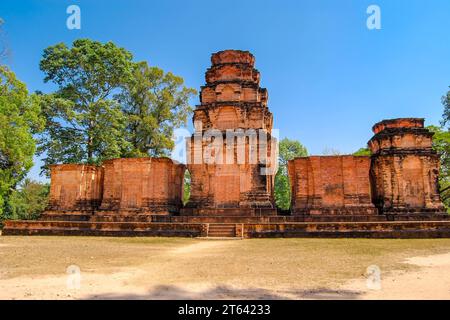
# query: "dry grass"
{"type": "Point", "coordinates": [260, 262]}
{"type": "Point", "coordinates": [192, 268]}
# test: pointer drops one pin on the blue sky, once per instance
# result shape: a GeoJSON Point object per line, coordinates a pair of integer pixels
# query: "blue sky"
{"type": "Point", "coordinates": [329, 77]}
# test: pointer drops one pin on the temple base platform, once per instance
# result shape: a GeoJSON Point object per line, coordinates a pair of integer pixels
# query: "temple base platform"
{"type": "Point", "coordinates": [244, 226]}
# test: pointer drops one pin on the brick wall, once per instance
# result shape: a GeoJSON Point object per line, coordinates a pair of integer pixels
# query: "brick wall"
{"type": "Point", "coordinates": [75, 187]}
{"type": "Point", "coordinates": [330, 185]}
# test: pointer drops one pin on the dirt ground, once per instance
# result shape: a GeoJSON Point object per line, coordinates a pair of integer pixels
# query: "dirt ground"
{"type": "Point", "coordinates": [181, 268]}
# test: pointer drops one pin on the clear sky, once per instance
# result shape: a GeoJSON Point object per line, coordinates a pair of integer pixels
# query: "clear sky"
{"type": "Point", "coordinates": [329, 77]}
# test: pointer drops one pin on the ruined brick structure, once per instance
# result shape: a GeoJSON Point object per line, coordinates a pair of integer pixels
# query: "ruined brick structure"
{"type": "Point", "coordinates": [232, 105]}
{"type": "Point", "coordinates": [140, 185]}
{"type": "Point", "coordinates": [146, 185]}
{"type": "Point", "coordinates": [331, 185]}
{"type": "Point", "coordinates": [75, 187]}
{"type": "Point", "coordinates": [404, 168]}
{"type": "Point", "coordinates": [400, 177]}
{"type": "Point", "coordinates": [232, 161]}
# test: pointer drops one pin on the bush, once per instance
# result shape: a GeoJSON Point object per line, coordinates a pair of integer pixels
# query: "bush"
{"type": "Point", "coordinates": [28, 201]}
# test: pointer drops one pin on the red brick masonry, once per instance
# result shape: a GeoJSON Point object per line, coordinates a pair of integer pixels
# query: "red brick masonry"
{"type": "Point", "coordinates": [231, 99]}
{"type": "Point", "coordinates": [401, 176]}
{"type": "Point", "coordinates": [141, 185]}
{"type": "Point", "coordinates": [392, 193]}
{"type": "Point", "coordinates": [331, 185]}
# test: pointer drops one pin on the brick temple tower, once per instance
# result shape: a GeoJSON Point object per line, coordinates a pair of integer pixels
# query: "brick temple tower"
{"type": "Point", "coordinates": [232, 156]}
{"type": "Point", "coordinates": [405, 168]}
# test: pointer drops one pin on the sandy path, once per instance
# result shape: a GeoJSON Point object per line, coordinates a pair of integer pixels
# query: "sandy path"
{"type": "Point", "coordinates": [122, 285]}
{"type": "Point", "coordinates": [432, 281]}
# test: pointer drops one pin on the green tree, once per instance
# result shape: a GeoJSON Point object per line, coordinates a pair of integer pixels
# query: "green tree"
{"type": "Point", "coordinates": [288, 150]}
{"type": "Point", "coordinates": [363, 152]}
{"type": "Point", "coordinates": [155, 103]}
{"type": "Point", "coordinates": [85, 123]}
{"type": "Point", "coordinates": [441, 144]}
{"type": "Point", "coordinates": [19, 120]}
{"type": "Point", "coordinates": [29, 200]}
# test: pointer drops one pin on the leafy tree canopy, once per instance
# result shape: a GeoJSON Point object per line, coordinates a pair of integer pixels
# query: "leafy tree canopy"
{"type": "Point", "coordinates": [107, 106]}
{"type": "Point", "coordinates": [84, 123]}
{"type": "Point", "coordinates": [19, 119]}
{"type": "Point", "coordinates": [155, 103]}
{"type": "Point", "coordinates": [288, 150]}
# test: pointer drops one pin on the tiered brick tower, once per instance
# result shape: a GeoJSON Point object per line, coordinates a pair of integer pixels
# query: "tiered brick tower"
{"type": "Point", "coordinates": [232, 102]}
{"type": "Point", "coordinates": [405, 168]}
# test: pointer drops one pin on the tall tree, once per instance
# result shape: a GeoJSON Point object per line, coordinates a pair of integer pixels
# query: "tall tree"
{"type": "Point", "coordinates": [288, 150]}
{"type": "Point", "coordinates": [84, 122]}
{"type": "Point", "coordinates": [441, 144]}
{"type": "Point", "coordinates": [155, 103]}
{"type": "Point", "coordinates": [19, 120]}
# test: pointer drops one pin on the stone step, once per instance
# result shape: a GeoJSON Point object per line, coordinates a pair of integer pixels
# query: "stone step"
{"type": "Point", "coordinates": [221, 230]}
{"type": "Point", "coordinates": [28, 227]}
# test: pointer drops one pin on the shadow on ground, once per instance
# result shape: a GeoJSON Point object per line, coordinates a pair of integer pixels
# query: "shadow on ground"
{"type": "Point", "coordinates": [225, 292]}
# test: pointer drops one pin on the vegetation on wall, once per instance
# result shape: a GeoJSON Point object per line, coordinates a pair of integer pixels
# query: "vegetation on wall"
{"type": "Point", "coordinates": [363, 152]}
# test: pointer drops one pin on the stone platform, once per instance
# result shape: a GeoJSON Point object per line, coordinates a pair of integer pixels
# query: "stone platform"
{"type": "Point", "coordinates": [355, 226]}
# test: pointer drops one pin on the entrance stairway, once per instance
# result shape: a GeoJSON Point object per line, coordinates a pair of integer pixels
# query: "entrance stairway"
{"type": "Point", "coordinates": [221, 230]}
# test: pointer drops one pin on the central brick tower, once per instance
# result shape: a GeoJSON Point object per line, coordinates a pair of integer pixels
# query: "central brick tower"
{"type": "Point", "coordinates": [231, 155]}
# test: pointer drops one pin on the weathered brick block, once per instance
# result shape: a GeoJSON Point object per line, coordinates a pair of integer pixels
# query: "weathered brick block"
{"type": "Point", "coordinates": [75, 187]}
{"type": "Point", "coordinates": [153, 185]}
{"type": "Point", "coordinates": [331, 185]}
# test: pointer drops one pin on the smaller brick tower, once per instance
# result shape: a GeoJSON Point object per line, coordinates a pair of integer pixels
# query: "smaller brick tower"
{"type": "Point", "coordinates": [404, 171]}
